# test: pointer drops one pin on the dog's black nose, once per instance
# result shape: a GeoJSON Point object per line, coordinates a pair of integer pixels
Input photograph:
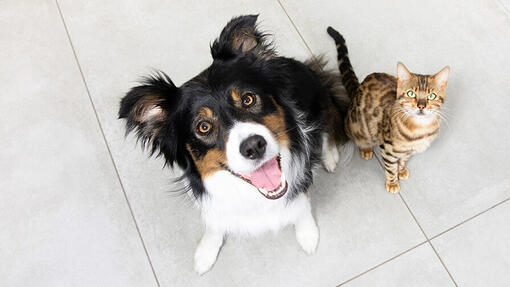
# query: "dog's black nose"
{"type": "Point", "coordinates": [253, 147]}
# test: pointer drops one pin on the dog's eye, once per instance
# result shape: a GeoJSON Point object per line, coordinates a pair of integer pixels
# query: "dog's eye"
{"type": "Point", "coordinates": [248, 99]}
{"type": "Point", "coordinates": [204, 127]}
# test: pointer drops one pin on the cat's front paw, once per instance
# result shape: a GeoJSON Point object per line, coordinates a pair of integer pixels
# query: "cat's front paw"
{"type": "Point", "coordinates": [403, 174]}
{"type": "Point", "coordinates": [392, 187]}
{"type": "Point", "coordinates": [366, 153]}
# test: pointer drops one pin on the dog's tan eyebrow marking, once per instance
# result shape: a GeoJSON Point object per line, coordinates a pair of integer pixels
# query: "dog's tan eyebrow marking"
{"type": "Point", "coordinates": [236, 95]}
{"type": "Point", "coordinates": [206, 112]}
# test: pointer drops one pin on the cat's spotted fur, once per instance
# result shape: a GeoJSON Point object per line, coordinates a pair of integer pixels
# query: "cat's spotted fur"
{"type": "Point", "coordinates": [400, 114]}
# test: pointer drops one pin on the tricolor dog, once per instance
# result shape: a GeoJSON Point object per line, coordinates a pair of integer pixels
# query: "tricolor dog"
{"type": "Point", "coordinates": [247, 132]}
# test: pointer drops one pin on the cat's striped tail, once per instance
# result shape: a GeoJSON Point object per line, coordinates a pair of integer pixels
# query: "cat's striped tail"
{"type": "Point", "coordinates": [347, 74]}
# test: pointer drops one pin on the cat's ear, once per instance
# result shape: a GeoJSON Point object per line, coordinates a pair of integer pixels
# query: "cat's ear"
{"type": "Point", "coordinates": [403, 73]}
{"type": "Point", "coordinates": [441, 78]}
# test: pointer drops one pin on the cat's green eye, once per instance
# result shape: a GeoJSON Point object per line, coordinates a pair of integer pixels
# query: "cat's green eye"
{"type": "Point", "coordinates": [411, 94]}
{"type": "Point", "coordinates": [431, 96]}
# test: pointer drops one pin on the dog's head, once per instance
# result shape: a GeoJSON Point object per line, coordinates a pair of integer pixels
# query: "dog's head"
{"type": "Point", "coordinates": [227, 118]}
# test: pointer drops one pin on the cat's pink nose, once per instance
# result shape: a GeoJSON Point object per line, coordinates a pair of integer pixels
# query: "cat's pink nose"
{"type": "Point", "coordinates": [421, 104]}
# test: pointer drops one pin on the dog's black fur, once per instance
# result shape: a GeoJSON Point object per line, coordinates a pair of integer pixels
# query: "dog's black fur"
{"type": "Point", "coordinates": [241, 58]}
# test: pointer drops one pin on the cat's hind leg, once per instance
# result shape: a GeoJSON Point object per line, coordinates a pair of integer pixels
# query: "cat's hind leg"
{"type": "Point", "coordinates": [366, 153]}
{"type": "Point", "coordinates": [359, 133]}
{"type": "Point", "coordinates": [366, 148]}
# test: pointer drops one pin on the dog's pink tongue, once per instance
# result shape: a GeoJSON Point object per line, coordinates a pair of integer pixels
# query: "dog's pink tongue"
{"type": "Point", "coordinates": [267, 176]}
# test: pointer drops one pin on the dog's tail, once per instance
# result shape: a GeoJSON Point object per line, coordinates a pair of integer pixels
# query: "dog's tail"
{"type": "Point", "coordinates": [347, 74]}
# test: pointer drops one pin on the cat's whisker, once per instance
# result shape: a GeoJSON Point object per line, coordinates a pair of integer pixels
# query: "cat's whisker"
{"type": "Point", "coordinates": [446, 114]}
{"type": "Point", "coordinates": [443, 118]}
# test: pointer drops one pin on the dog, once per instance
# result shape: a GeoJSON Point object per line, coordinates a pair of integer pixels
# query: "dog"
{"type": "Point", "coordinates": [246, 132]}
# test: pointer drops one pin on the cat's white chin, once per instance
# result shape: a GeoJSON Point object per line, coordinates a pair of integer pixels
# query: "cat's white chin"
{"type": "Point", "coordinates": [423, 117]}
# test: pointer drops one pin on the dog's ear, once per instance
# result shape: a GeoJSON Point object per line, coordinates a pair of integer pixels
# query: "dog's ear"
{"type": "Point", "coordinates": [148, 110]}
{"type": "Point", "coordinates": [240, 36]}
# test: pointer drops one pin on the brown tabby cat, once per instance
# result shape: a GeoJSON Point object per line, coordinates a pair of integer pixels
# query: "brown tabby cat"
{"type": "Point", "coordinates": [400, 114]}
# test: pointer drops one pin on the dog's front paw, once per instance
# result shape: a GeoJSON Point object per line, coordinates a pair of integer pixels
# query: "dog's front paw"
{"type": "Point", "coordinates": [329, 164]}
{"type": "Point", "coordinates": [307, 235]}
{"type": "Point", "coordinates": [330, 158]}
{"type": "Point", "coordinates": [207, 251]}
{"type": "Point", "coordinates": [204, 259]}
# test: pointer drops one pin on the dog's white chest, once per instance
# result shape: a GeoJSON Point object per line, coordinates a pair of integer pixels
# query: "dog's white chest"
{"type": "Point", "coordinates": [237, 207]}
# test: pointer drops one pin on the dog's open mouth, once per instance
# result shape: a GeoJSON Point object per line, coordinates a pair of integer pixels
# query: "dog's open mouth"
{"type": "Point", "coordinates": [268, 179]}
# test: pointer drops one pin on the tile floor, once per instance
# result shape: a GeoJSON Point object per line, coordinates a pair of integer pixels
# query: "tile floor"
{"type": "Point", "coordinates": [80, 205]}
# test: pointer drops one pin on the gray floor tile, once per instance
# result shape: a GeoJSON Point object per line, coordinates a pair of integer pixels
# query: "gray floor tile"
{"type": "Point", "coordinates": [418, 267]}
{"type": "Point", "coordinates": [118, 41]}
{"type": "Point", "coordinates": [506, 4]}
{"type": "Point", "coordinates": [63, 216]}
{"type": "Point", "coordinates": [476, 252]}
{"type": "Point", "coordinates": [351, 241]}
{"type": "Point", "coordinates": [466, 169]}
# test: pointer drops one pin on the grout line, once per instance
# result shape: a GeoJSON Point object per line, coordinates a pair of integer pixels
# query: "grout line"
{"type": "Point", "coordinates": [428, 240]}
{"type": "Point", "coordinates": [421, 228]}
{"type": "Point", "coordinates": [382, 263]}
{"type": "Point", "coordinates": [106, 142]}
{"type": "Point", "coordinates": [376, 155]}
{"type": "Point", "coordinates": [423, 232]}
{"type": "Point", "coordinates": [443, 232]}
{"type": "Point", "coordinates": [472, 217]}
{"type": "Point", "coordinates": [442, 263]}
{"type": "Point", "coordinates": [295, 27]}
{"type": "Point", "coordinates": [504, 7]}
{"type": "Point", "coordinates": [382, 166]}
{"type": "Point", "coordinates": [414, 217]}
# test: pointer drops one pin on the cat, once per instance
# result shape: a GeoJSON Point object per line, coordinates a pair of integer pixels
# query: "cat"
{"type": "Point", "coordinates": [400, 114]}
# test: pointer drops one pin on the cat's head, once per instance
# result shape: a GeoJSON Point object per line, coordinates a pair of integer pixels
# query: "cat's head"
{"type": "Point", "coordinates": [421, 96]}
